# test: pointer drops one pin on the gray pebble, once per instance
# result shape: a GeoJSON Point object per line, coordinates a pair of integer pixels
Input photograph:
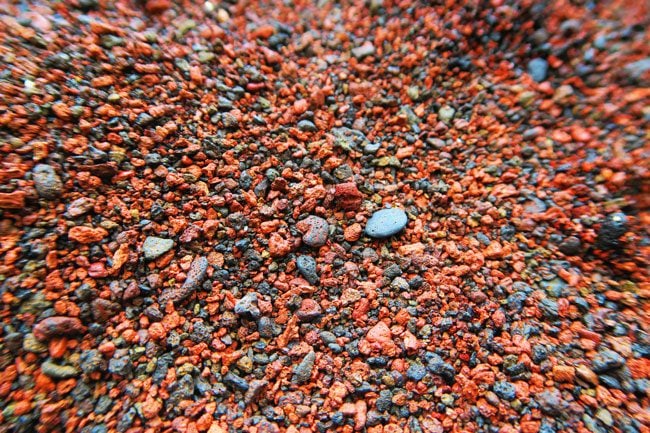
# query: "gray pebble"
{"type": "Point", "coordinates": [637, 69]}
{"type": "Point", "coordinates": [47, 183]}
{"type": "Point", "coordinates": [91, 361]}
{"type": "Point", "coordinates": [416, 372]}
{"type": "Point", "coordinates": [570, 246]}
{"type": "Point", "coordinates": [538, 68]}
{"type": "Point", "coordinates": [386, 222]}
{"type": "Point", "coordinates": [267, 327]}
{"type": "Point", "coordinates": [307, 267]}
{"type": "Point", "coordinates": [302, 372]}
{"type": "Point", "coordinates": [505, 390]}
{"type": "Point", "coordinates": [363, 51]}
{"type": "Point", "coordinates": [446, 113]}
{"type": "Point", "coordinates": [549, 308]}
{"type": "Point", "coordinates": [234, 381]}
{"type": "Point", "coordinates": [307, 126]}
{"type": "Point", "coordinates": [120, 366]}
{"type": "Point", "coordinates": [154, 247]}
{"type": "Point", "coordinates": [551, 402]}
{"type": "Point", "coordinates": [152, 158]}
{"type": "Point", "coordinates": [371, 148]}
{"type": "Point", "coordinates": [196, 274]}
{"type": "Point", "coordinates": [606, 360]}
{"type": "Point", "coordinates": [247, 306]}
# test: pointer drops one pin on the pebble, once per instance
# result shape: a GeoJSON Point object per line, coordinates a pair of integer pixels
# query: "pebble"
{"type": "Point", "coordinates": [217, 128]}
{"type": "Point", "coordinates": [120, 366]}
{"type": "Point", "coordinates": [87, 235]}
{"type": "Point", "coordinates": [400, 284]}
{"type": "Point", "coordinates": [570, 246]}
{"type": "Point", "coordinates": [538, 69]}
{"type": "Point", "coordinates": [607, 360]}
{"type": "Point", "coordinates": [195, 277]}
{"type": "Point", "coordinates": [236, 382]}
{"type": "Point", "coordinates": [348, 196]}
{"type": "Point", "coordinates": [393, 270]}
{"type": "Point", "coordinates": [315, 231]}
{"type": "Point", "coordinates": [551, 402]}
{"type": "Point", "coordinates": [610, 232]}
{"type": "Point", "coordinates": [587, 374]}
{"type": "Point", "coordinates": [154, 247]}
{"type": "Point", "coordinates": [307, 267]}
{"type": "Point", "coordinates": [255, 390]}
{"type": "Point", "coordinates": [549, 308]}
{"type": "Point", "coordinates": [247, 306]}
{"type": "Point", "coordinates": [80, 207]}
{"type": "Point", "coordinates": [386, 222]}
{"type": "Point", "coordinates": [371, 148]}
{"type": "Point", "coordinates": [302, 372]}
{"type": "Point", "coordinates": [307, 126]}
{"type": "Point", "coordinates": [47, 183]}
{"type": "Point", "coordinates": [446, 113]}
{"type": "Point", "coordinates": [505, 390]}
{"type": "Point", "coordinates": [309, 311]}
{"type": "Point", "coordinates": [91, 361]}
{"type": "Point", "coordinates": [57, 326]}
{"type": "Point", "coordinates": [31, 344]}
{"type": "Point", "coordinates": [564, 373]}
{"type": "Point", "coordinates": [539, 354]}
{"type": "Point", "coordinates": [554, 287]}
{"type": "Point", "coordinates": [637, 69]}
{"type": "Point", "coordinates": [364, 50]}
{"type": "Point", "coordinates": [56, 371]}
{"type": "Point", "coordinates": [605, 417]}
{"type": "Point", "coordinates": [267, 327]}
{"type": "Point", "coordinates": [416, 372]}
{"type": "Point", "coordinates": [437, 366]}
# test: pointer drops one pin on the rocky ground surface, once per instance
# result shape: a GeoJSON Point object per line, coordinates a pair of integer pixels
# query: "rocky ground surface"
{"type": "Point", "coordinates": [296, 216]}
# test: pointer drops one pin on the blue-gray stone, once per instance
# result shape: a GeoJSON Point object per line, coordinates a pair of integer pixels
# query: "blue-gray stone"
{"type": "Point", "coordinates": [638, 68]}
{"type": "Point", "coordinates": [505, 390]}
{"type": "Point", "coordinates": [302, 372]}
{"type": "Point", "coordinates": [538, 68]}
{"type": "Point", "coordinates": [247, 306]}
{"type": "Point", "coordinates": [307, 267]}
{"type": "Point", "coordinates": [235, 382]}
{"type": "Point", "coordinates": [607, 360]}
{"type": "Point", "coordinates": [416, 372]}
{"type": "Point", "coordinates": [386, 222]}
{"type": "Point", "coordinates": [554, 287]}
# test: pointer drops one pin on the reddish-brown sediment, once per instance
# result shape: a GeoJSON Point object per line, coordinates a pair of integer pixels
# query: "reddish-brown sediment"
{"type": "Point", "coordinates": [243, 136]}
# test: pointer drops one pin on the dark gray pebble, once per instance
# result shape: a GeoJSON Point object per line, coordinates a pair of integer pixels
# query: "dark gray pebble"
{"type": "Point", "coordinates": [302, 372]}
{"type": "Point", "coordinates": [307, 267]}
{"type": "Point", "coordinates": [606, 360]}
{"type": "Point", "coordinates": [233, 381]}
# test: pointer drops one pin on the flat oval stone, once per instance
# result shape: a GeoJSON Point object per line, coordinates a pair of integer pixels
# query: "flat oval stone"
{"type": "Point", "coordinates": [386, 222]}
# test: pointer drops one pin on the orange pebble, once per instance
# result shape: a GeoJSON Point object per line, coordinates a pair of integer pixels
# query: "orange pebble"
{"type": "Point", "coordinates": [58, 347]}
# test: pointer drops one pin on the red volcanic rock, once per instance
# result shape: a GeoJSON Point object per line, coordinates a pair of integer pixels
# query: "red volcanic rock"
{"type": "Point", "coordinates": [57, 326]}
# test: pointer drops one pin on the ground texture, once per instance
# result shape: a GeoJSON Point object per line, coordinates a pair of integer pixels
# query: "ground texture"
{"type": "Point", "coordinates": [190, 235]}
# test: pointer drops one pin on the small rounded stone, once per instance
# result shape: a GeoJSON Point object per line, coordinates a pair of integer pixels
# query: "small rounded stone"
{"type": "Point", "coordinates": [386, 222]}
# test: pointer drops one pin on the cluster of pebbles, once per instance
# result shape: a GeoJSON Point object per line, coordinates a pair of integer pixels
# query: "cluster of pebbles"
{"type": "Point", "coordinates": [290, 216]}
